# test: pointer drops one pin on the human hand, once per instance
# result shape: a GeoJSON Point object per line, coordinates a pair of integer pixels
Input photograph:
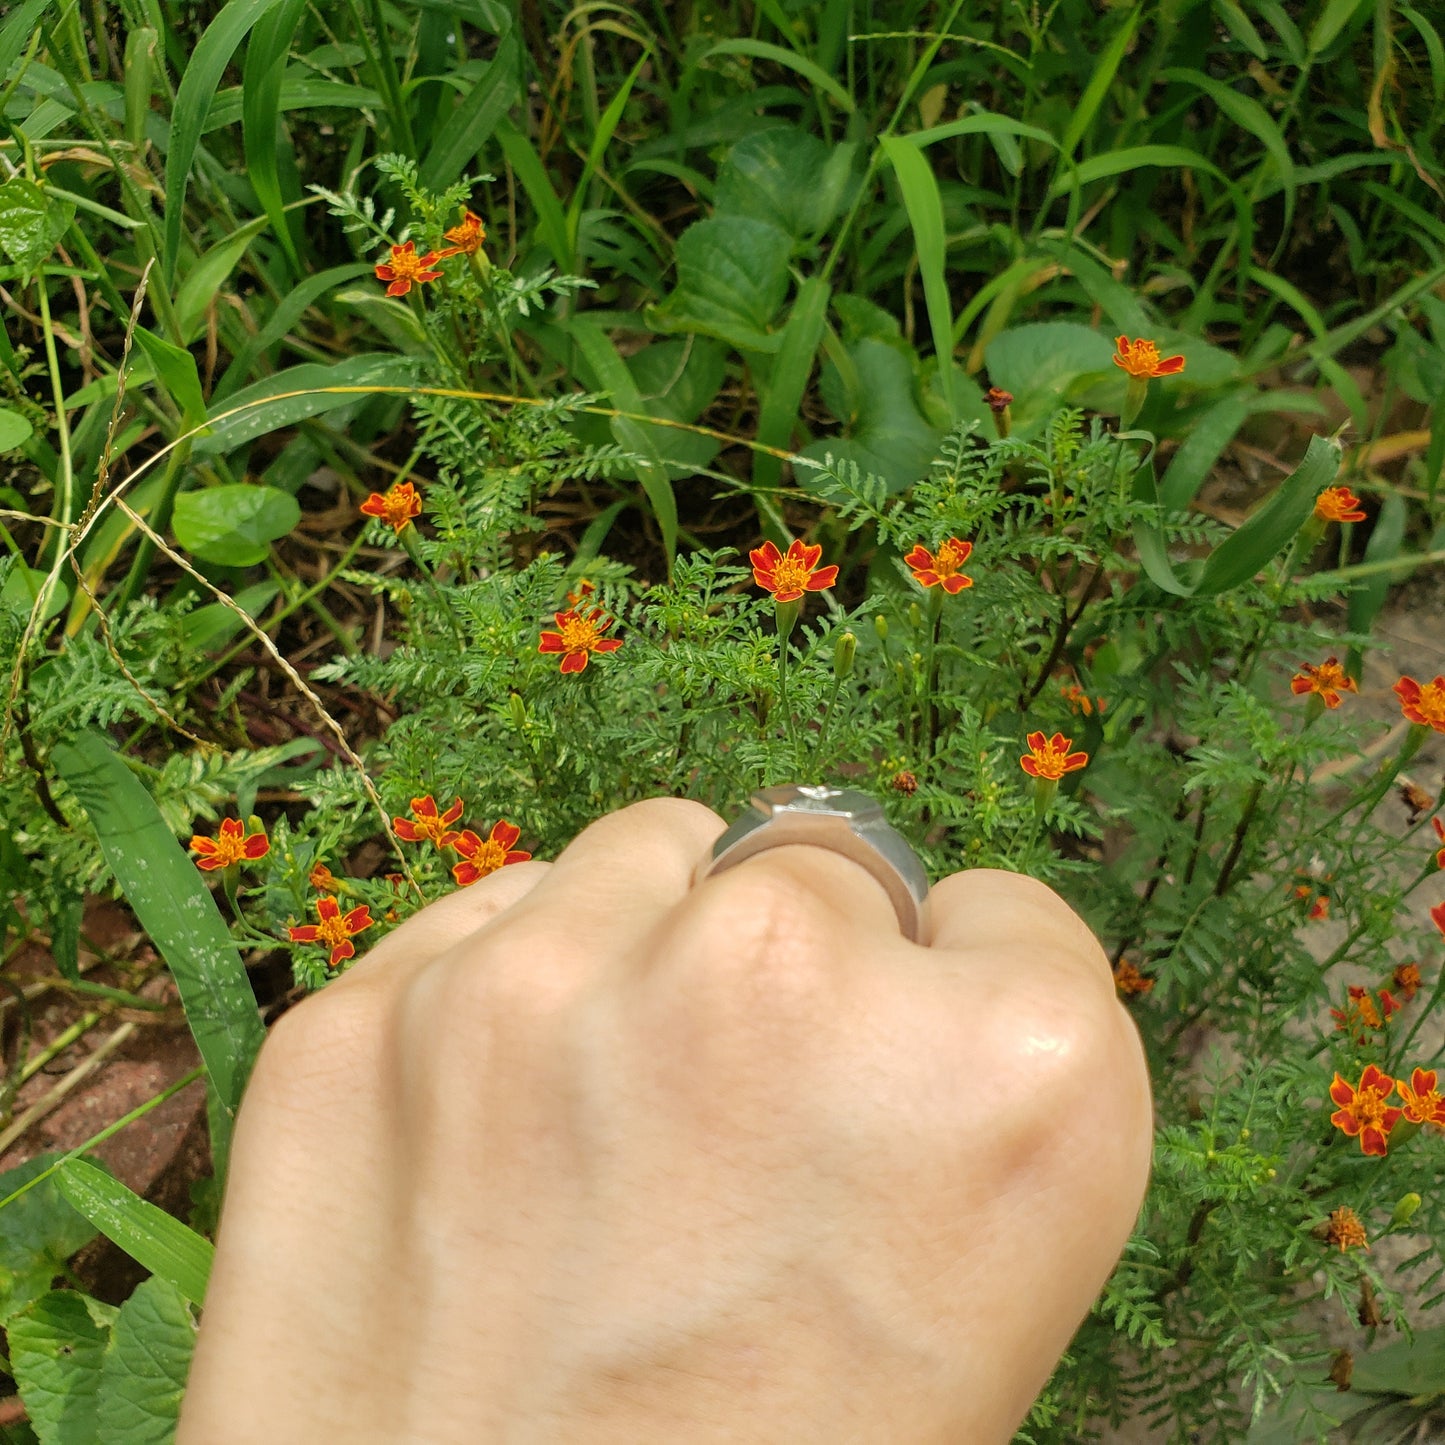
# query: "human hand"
{"type": "Point", "coordinates": [584, 1154]}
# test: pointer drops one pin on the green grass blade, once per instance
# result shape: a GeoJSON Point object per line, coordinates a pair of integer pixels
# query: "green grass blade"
{"type": "Point", "coordinates": [611, 371]}
{"type": "Point", "coordinates": [924, 204]}
{"type": "Point", "coordinates": [1132, 158]}
{"type": "Point", "coordinates": [551, 218]}
{"type": "Point", "coordinates": [1367, 599]}
{"type": "Point", "coordinates": [151, 1237]}
{"type": "Point", "coordinates": [472, 124]}
{"type": "Point", "coordinates": [809, 70]}
{"type": "Point", "coordinates": [266, 55]}
{"type": "Point", "coordinates": [210, 273]}
{"type": "Point", "coordinates": [1337, 14]}
{"type": "Point", "coordinates": [984, 123]}
{"type": "Point", "coordinates": [1100, 81]}
{"type": "Point", "coordinates": [606, 125]}
{"type": "Point", "coordinates": [15, 33]}
{"type": "Point", "coordinates": [193, 99]}
{"type": "Point", "coordinates": [802, 335]}
{"type": "Point", "coordinates": [173, 905]}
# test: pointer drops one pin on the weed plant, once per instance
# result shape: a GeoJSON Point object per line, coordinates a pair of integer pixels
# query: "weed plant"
{"type": "Point", "coordinates": [940, 320]}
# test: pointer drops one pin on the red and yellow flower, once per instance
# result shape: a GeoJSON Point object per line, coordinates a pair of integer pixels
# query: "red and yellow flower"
{"type": "Point", "coordinates": [1363, 1113]}
{"type": "Point", "coordinates": [1050, 758]}
{"type": "Point", "coordinates": [788, 576]}
{"type": "Point", "coordinates": [481, 856]}
{"type": "Point", "coordinates": [1422, 702]}
{"type": "Point", "coordinates": [406, 269]}
{"type": "Point", "coordinates": [1346, 1231]}
{"type": "Point", "coordinates": [1361, 1013]}
{"type": "Point", "coordinates": [943, 569]}
{"type": "Point", "coordinates": [1328, 680]}
{"type": "Point", "coordinates": [1338, 504]}
{"type": "Point", "coordinates": [1437, 917]}
{"type": "Point", "coordinates": [335, 928]}
{"type": "Point", "coordinates": [321, 878]}
{"type": "Point", "coordinates": [396, 507]}
{"type": "Point", "coordinates": [1319, 903]}
{"type": "Point", "coordinates": [1406, 978]}
{"type": "Point", "coordinates": [578, 636]}
{"type": "Point", "coordinates": [426, 824]}
{"type": "Point", "coordinates": [1140, 358]}
{"type": "Point", "coordinates": [1424, 1104]}
{"type": "Point", "coordinates": [1439, 828]}
{"type": "Point", "coordinates": [230, 846]}
{"type": "Point", "coordinates": [466, 236]}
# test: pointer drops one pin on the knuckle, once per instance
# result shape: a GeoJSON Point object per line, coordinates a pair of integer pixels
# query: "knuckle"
{"type": "Point", "coordinates": [323, 1046]}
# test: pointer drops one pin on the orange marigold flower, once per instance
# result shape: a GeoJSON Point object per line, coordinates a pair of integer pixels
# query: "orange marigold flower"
{"type": "Point", "coordinates": [1406, 978]}
{"type": "Point", "coordinates": [943, 570]}
{"type": "Point", "coordinates": [1346, 1230]}
{"type": "Point", "coordinates": [1363, 1113]}
{"type": "Point", "coordinates": [1338, 504]}
{"type": "Point", "coordinates": [335, 928]}
{"type": "Point", "coordinates": [1141, 359]}
{"type": "Point", "coordinates": [321, 879]}
{"type": "Point", "coordinates": [1128, 980]}
{"type": "Point", "coordinates": [1424, 1104]}
{"type": "Point", "coordinates": [1422, 702]}
{"type": "Point", "coordinates": [1329, 680]}
{"type": "Point", "coordinates": [429, 825]}
{"type": "Point", "coordinates": [231, 845]}
{"type": "Point", "coordinates": [1080, 701]}
{"type": "Point", "coordinates": [467, 236]}
{"type": "Point", "coordinates": [1050, 758]}
{"type": "Point", "coordinates": [1361, 1013]}
{"type": "Point", "coordinates": [1439, 828]}
{"type": "Point", "coordinates": [396, 507]}
{"type": "Point", "coordinates": [584, 590]}
{"type": "Point", "coordinates": [577, 637]}
{"type": "Point", "coordinates": [406, 268]}
{"type": "Point", "coordinates": [788, 577]}
{"type": "Point", "coordinates": [481, 856]}
{"type": "Point", "coordinates": [1437, 917]}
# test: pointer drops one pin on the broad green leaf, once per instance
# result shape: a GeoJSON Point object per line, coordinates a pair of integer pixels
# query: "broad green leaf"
{"type": "Point", "coordinates": [57, 1353]}
{"type": "Point", "coordinates": [295, 394]}
{"type": "Point", "coordinates": [144, 1374]}
{"type": "Point", "coordinates": [233, 525]}
{"type": "Point", "coordinates": [732, 276]}
{"type": "Point", "coordinates": [173, 905]}
{"type": "Point", "coordinates": [886, 432]}
{"type": "Point", "coordinates": [1406, 1367]}
{"type": "Point", "coordinates": [925, 215]}
{"type": "Point", "coordinates": [151, 1237]}
{"type": "Point", "coordinates": [177, 371]}
{"type": "Point", "coordinates": [210, 273]}
{"type": "Point", "coordinates": [197, 89]}
{"type": "Point", "coordinates": [470, 126]}
{"type": "Point", "coordinates": [31, 222]}
{"type": "Point", "coordinates": [786, 176]}
{"type": "Point", "coordinates": [14, 430]}
{"type": "Point", "coordinates": [21, 589]}
{"type": "Point", "coordinates": [1040, 363]}
{"type": "Point", "coordinates": [38, 1233]}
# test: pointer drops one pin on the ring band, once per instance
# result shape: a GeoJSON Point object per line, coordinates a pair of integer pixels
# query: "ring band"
{"type": "Point", "coordinates": [842, 820]}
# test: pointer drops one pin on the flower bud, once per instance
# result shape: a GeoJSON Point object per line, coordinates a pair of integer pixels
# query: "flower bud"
{"type": "Point", "coordinates": [844, 651]}
{"type": "Point", "coordinates": [880, 626]}
{"type": "Point", "coordinates": [518, 710]}
{"type": "Point", "coordinates": [1405, 1210]}
{"type": "Point", "coordinates": [915, 616]}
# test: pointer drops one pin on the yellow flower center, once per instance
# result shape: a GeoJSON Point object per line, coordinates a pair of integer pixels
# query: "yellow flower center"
{"type": "Point", "coordinates": [489, 857]}
{"type": "Point", "coordinates": [1432, 704]}
{"type": "Point", "coordinates": [1050, 762]}
{"type": "Point", "coordinates": [333, 930]}
{"type": "Point", "coordinates": [431, 828]}
{"type": "Point", "coordinates": [1369, 1108]}
{"type": "Point", "coordinates": [406, 264]}
{"type": "Point", "coordinates": [1141, 359]}
{"type": "Point", "coordinates": [790, 576]}
{"type": "Point", "coordinates": [578, 633]}
{"type": "Point", "coordinates": [949, 560]}
{"type": "Point", "coordinates": [1424, 1105]}
{"type": "Point", "coordinates": [230, 849]}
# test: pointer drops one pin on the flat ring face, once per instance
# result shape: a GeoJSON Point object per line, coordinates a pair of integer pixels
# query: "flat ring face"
{"type": "Point", "coordinates": [842, 820]}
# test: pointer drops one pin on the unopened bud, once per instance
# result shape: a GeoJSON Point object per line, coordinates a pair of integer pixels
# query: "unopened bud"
{"type": "Point", "coordinates": [844, 651]}
{"type": "Point", "coordinates": [518, 710]}
{"type": "Point", "coordinates": [1404, 1210]}
{"type": "Point", "coordinates": [915, 616]}
{"type": "Point", "coordinates": [880, 626]}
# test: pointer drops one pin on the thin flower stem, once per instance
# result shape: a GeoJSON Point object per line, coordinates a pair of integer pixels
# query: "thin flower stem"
{"type": "Point", "coordinates": [828, 717]}
{"type": "Point", "coordinates": [930, 669]}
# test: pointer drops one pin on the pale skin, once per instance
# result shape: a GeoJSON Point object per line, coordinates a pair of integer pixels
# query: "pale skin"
{"type": "Point", "coordinates": [582, 1153]}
